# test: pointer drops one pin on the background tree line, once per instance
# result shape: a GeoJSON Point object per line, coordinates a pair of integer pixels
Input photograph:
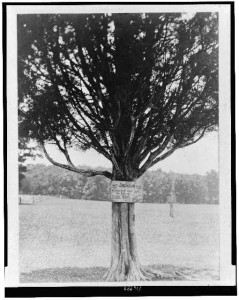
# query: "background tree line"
{"type": "Point", "coordinates": [50, 180]}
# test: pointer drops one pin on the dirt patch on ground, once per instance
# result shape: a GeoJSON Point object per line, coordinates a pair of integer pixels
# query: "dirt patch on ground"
{"type": "Point", "coordinates": [95, 274]}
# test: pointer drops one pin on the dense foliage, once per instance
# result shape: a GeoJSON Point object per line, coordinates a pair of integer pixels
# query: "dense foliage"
{"type": "Point", "coordinates": [135, 87]}
{"type": "Point", "coordinates": [49, 180]}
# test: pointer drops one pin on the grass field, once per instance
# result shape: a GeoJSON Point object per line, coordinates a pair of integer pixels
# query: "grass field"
{"type": "Point", "coordinates": [63, 240]}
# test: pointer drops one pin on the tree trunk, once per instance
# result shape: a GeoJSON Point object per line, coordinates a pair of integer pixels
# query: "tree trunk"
{"type": "Point", "coordinates": [125, 264]}
{"type": "Point", "coordinates": [124, 259]}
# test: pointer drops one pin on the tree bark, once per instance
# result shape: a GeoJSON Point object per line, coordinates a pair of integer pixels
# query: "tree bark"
{"type": "Point", "coordinates": [125, 264]}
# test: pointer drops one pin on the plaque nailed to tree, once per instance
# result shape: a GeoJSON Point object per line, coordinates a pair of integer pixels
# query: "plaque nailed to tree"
{"type": "Point", "coordinates": [134, 87]}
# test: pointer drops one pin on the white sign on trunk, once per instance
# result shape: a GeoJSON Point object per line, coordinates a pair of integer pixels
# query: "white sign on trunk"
{"type": "Point", "coordinates": [126, 191]}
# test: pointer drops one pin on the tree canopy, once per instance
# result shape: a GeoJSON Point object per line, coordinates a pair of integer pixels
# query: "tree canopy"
{"type": "Point", "coordinates": [134, 87]}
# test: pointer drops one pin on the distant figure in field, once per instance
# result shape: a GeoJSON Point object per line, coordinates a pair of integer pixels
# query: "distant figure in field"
{"type": "Point", "coordinates": [172, 199]}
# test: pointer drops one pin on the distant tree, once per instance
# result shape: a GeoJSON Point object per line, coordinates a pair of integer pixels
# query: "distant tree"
{"type": "Point", "coordinates": [134, 87]}
{"type": "Point", "coordinates": [153, 186]}
{"type": "Point", "coordinates": [80, 182]}
{"type": "Point", "coordinates": [182, 189]}
{"type": "Point", "coordinates": [97, 188]}
{"type": "Point", "coordinates": [191, 189]}
{"type": "Point", "coordinates": [212, 182]}
{"type": "Point", "coordinates": [25, 151]}
{"type": "Point", "coordinates": [23, 154]}
{"type": "Point", "coordinates": [198, 192]}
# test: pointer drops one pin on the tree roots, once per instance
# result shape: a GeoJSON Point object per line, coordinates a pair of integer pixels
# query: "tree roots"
{"type": "Point", "coordinates": [135, 272]}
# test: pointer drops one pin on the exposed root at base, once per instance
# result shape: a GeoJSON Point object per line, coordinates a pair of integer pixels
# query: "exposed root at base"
{"type": "Point", "coordinates": [152, 273]}
{"type": "Point", "coordinates": [182, 275]}
{"type": "Point", "coordinates": [135, 272]}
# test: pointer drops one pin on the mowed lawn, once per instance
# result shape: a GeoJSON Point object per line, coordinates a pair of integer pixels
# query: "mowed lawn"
{"type": "Point", "coordinates": [69, 240]}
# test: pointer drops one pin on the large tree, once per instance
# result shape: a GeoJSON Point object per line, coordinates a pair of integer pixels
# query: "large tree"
{"type": "Point", "coordinates": [134, 87]}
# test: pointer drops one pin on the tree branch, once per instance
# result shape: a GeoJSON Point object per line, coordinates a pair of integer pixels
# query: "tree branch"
{"type": "Point", "coordinates": [88, 172]}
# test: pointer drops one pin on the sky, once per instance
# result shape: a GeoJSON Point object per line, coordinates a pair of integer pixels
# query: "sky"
{"type": "Point", "coordinates": [199, 158]}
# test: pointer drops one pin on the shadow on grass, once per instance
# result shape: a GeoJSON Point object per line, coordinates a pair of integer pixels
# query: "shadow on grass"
{"type": "Point", "coordinates": [95, 274]}
{"type": "Point", "coordinates": [66, 274]}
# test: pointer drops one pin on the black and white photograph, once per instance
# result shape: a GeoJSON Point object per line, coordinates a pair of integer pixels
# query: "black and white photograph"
{"type": "Point", "coordinates": [119, 145]}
